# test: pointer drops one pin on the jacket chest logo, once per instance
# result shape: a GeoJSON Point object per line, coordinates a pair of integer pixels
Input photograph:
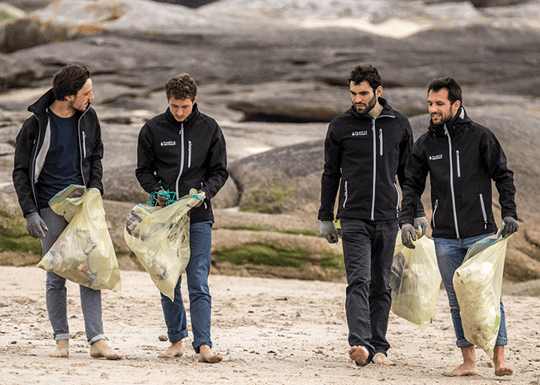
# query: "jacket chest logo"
{"type": "Point", "coordinates": [168, 143]}
{"type": "Point", "coordinates": [359, 133]}
{"type": "Point", "coordinates": [435, 157]}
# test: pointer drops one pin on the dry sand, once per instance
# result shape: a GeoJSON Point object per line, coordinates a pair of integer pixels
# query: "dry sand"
{"type": "Point", "coordinates": [269, 331]}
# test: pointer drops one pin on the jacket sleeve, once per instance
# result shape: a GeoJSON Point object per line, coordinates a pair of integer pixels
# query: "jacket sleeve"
{"type": "Point", "coordinates": [404, 155]}
{"type": "Point", "coordinates": [416, 171]}
{"type": "Point", "coordinates": [331, 176]}
{"type": "Point", "coordinates": [503, 177]}
{"type": "Point", "coordinates": [216, 173]}
{"type": "Point", "coordinates": [22, 178]}
{"type": "Point", "coordinates": [145, 171]}
{"type": "Point", "coordinates": [96, 167]}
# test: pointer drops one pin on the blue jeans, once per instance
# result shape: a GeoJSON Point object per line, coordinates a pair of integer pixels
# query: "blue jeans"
{"type": "Point", "coordinates": [55, 290]}
{"type": "Point", "coordinates": [450, 256]}
{"type": "Point", "coordinates": [368, 250]}
{"type": "Point", "coordinates": [200, 302]}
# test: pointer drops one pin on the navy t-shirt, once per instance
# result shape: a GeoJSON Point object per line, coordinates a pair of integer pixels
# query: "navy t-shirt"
{"type": "Point", "coordinates": [62, 165]}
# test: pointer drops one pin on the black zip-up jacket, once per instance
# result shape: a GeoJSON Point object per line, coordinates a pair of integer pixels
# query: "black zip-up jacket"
{"type": "Point", "coordinates": [179, 156]}
{"type": "Point", "coordinates": [362, 158]}
{"type": "Point", "coordinates": [462, 158]}
{"type": "Point", "coordinates": [33, 143]}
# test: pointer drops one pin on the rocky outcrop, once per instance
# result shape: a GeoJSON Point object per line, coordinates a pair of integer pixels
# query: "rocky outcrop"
{"type": "Point", "coordinates": [273, 74]}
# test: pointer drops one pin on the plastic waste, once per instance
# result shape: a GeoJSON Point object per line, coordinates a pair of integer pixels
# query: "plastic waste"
{"type": "Point", "coordinates": [478, 284]}
{"type": "Point", "coordinates": [84, 252]}
{"type": "Point", "coordinates": [159, 237]}
{"type": "Point", "coordinates": [415, 281]}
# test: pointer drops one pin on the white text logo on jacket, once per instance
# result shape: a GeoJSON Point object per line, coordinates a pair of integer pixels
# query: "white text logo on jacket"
{"type": "Point", "coordinates": [168, 143]}
{"type": "Point", "coordinates": [435, 157]}
{"type": "Point", "coordinates": [359, 133]}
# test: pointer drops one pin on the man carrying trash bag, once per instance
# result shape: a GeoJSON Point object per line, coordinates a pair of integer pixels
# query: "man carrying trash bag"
{"type": "Point", "coordinates": [179, 150]}
{"type": "Point", "coordinates": [462, 158]}
{"type": "Point", "coordinates": [58, 146]}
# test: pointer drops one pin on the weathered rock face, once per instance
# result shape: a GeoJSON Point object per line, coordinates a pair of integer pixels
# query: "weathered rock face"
{"type": "Point", "coordinates": [273, 74]}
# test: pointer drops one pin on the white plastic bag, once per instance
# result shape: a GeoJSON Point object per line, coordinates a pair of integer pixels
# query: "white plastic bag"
{"type": "Point", "coordinates": [84, 252]}
{"type": "Point", "coordinates": [415, 281]}
{"type": "Point", "coordinates": [478, 283]}
{"type": "Point", "coordinates": [159, 237]}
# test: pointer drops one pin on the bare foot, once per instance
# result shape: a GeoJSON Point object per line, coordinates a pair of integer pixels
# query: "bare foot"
{"type": "Point", "coordinates": [101, 349]}
{"type": "Point", "coordinates": [500, 363]}
{"type": "Point", "coordinates": [463, 370]}
{"type": "Point", "coordinates": [359, 354]}
{"type": "Point", "coordinates": [62, 349]}
{"type": "Point", "coordinates": [175, 350]}
{"type": "Point", "coordinates": [381, 359]}
{"type": "Point", "coordinates": [206, 355]}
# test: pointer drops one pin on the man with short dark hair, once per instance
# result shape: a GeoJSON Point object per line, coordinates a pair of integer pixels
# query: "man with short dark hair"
{"type": "Point", "coordinates": [180, 150]}
{"type": "Point", "coordinates": [365, 148]}
{"type": "Point", "coordinates": [58, 146]}
{"type": "Point", "coordinates": [462, 158]}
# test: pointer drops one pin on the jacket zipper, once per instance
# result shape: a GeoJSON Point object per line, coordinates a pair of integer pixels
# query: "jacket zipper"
{"type": "Point", "coordinates": [181, 133]}
{"type": "Point", "coordinates": [381, 141]}
{"type": "Point", "coordinates": [83, 145]}
{"type": "Point", "coordinates": [189, 154]}
{"type": "Point", "coordinates": [452, 181]}
{"type": "Point", "coordinates": [374, 169]}
{"type": "Point", "coordinates": [484, 214]}
{"type": "Point", "coordinates": [345, 194]}
{"type": "Point", "coordinates": [398, 197]}
{"type": "Point", "coordinates": [458, 164]}
{"type": "Point", "coordinates": [434, 211]}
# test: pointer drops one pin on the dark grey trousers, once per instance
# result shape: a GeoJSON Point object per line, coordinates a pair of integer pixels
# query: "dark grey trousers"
{"type": "Point", "coordinates": [368, 250]}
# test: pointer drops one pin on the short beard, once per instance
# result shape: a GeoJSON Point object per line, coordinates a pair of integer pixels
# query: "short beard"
{"type": "Point", "coordinates": [369, 107]}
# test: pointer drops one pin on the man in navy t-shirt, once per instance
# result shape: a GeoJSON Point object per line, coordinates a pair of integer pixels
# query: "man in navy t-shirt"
{"type": "Point", "coordinates": [58, 146]}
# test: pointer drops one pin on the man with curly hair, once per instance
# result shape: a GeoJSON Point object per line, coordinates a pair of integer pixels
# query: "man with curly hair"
{"type": "Point", "coordinates": [179, 150]}
{"type": "Point", "coordinates": [365, 148]}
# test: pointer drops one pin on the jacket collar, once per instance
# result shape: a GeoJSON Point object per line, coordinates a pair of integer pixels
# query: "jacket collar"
{"type": "Point", "coordinates": [186, 123]}
{"type": "Point", "coordinates": [454, 126]}
{"type": "Point", "coordinates": [386, 110]}
{"type": "Point", "coordinates": [41, 106]}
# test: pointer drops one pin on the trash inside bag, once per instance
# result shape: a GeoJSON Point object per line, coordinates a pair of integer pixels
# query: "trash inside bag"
{"type": "Point", "coordinates": [159, 237]}
{"type": "Point", "coordinates": [478, 283]}
{"type": "Point", "coordinates": [84, 252]}
{"type": "Point", "coordinates": [415, 281]}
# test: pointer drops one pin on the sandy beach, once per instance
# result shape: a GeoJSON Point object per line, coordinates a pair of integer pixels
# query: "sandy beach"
{"type": "Point", "coordinates": [269, 331]}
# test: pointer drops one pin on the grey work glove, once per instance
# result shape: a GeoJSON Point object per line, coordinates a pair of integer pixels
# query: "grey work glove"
{"type": "Point", "coordinates": [328, 230]}
{"type": "Point", "coordinates": [35, 226]}
{"type": "Point", "coordinates": [421, 223]}
{"type": "Point", "coordinates": [510, 226]}
{"type": "Point", "coordinates": [408, 233]}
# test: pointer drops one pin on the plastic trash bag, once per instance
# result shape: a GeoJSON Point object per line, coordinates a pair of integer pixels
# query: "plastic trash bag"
{"type": "Point", "coordinates": [159, 237]}
{"type": "Point", "coordinates": [84, 252]}
{"type": "Point", "coordinates": [415, 281]}
{"type": "Point", "coordinates": [478, 283]}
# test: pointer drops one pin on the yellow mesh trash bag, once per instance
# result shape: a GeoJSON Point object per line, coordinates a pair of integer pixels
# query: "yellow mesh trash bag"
{"type": "Point", "coordinates": [478, 283]}
{"type": "Point", "coordinates": [159, 237]}
{"type": "Point", "coordinates": [415, 281]}
{"type": "Point", "coordinates": [84, 252]}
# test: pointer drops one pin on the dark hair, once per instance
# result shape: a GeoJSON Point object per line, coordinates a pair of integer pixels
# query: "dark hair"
{"type": "Point", "coordinates": [181, 87]}
{"type": "Point", "coordinates": [69, 80]}
{"type": "Point", "coordinates": [365, 72]}
{"type": "Point", "coordinates": [451, 84]}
